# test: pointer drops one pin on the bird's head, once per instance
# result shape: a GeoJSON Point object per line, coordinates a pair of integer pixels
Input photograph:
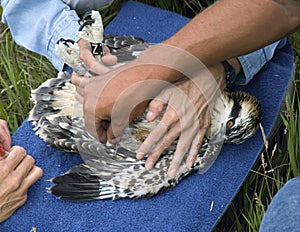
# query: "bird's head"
{"type": "Point", "coordinates": [236, 117]}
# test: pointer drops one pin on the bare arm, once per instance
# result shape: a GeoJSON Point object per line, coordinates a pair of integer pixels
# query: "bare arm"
{"type": "Point", "coordinates": [226, 29]}
{"type": "Point", "coordinates": [231, 27]}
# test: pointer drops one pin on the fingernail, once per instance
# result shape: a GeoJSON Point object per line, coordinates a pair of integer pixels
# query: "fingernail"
{"type": "Point", "coordinates": [189, 164]}
{"type": "Point", "coordinates": [114, 141]}
{"type": "Point", "coordinates": [140, 155]}
{"type": "Point", "coordinates": [172, 173]}
{"type": "Point", "coordinates": [150, 116]}
{"type": "Point", "coordinates": [149, 165]}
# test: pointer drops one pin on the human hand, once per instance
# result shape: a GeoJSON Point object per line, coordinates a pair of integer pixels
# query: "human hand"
{"type": "Point", "coordinates": [187, 116]}
{"type": "Point", "coordinates": [17, 174]}
{"type": "Point", "coordinates": [127, 89]}
{"type": "Point", "coordinates": [108, 100]}
{"type": "Point", "coordinates": [96, 66]}
{"type": "Point", "coordinates": [5, 138]}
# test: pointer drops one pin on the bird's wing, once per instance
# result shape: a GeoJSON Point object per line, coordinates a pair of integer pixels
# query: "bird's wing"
{"type": "Point", "coordinates": [118, 174]}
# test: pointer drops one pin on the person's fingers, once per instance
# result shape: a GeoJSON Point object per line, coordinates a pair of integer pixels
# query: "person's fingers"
{"type": "Point", "coordinates": [182, 148]}
{"type": "Point", "coordinates": [98, 68]}
{"type": "Point", "coordinates": [115, 130]}
{"type": "Point", "coordinates": [9, 207]}
{"type": "Point", "coordinates": [120, 118]}
{"type": "Point", "coordinates": [80, 81]}
{"type": "Point", "coordinates": [15, 157]}
{"type": "Point", "coordinates": [162, 146]}
{"type": "Point", "coordinates": [108, 58]}
{"type": "Point", "coordinates": [152, 139]}
{"type": "Point", "coordinates": [14, 190]}
{"type": "Point", "coordinates": [23, 168]}
{"type": "Point", "coordinates": [90, 105]}
{"type": "Point", "coordinates": [94, 66]}
{"type": "Point", "coordinates": [34, 174]}
{"type": "Point", "coordinates": [97, 127]}
{"type": "Point", "coordinates": [17, 198]}
{"type": "Point", "coordinates": [80, 91]}
{"type": "Point", "coordinates": [3, 126]}
{"type": "Point", "coordinates": [197, 142]}
{"type": "Point", "coordinates": [158, 133]}
{"type": "Point", "coordinates": [90, 123]}
{"type": "Point", "coordinates": [154, 109]}
{"type": "Point", "coordinates": [15, 178]}
{"type": "Point", "coordinates": [158, 103]}
{"type": "Point", "coordinates": [194, 149]}
{"type": "Point", "coordinates": [79, 97]}
{"type": "Point", "coordinates": [86, 56]}
{"type": "Point", "coordinates": [5, 138]}
{"type": "Point", "coordinates": [91, 63]}
{"type": "Point", "coordinates": [189, 143]}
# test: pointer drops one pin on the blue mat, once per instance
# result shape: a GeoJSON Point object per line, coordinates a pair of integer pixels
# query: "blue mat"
{"type": "Point", "coordinates": [197, 202]}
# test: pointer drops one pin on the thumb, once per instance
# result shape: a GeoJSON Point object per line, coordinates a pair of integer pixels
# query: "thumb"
{"type": "Point", "coordinates": [120, 121]}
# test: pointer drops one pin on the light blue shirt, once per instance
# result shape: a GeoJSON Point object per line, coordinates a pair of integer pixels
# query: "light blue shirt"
{"type": "Point", "coordinates": [251, 63]}
{"type": "Point", "coordinates": [38, 24]}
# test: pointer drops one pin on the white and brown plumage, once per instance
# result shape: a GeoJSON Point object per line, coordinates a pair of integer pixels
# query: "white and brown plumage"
{"type": "Point", "coordinates": [113, 172]}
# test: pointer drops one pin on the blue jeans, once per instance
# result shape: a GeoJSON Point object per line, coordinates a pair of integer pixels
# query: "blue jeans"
{"type": "Point", "coordinates": [283, 214]}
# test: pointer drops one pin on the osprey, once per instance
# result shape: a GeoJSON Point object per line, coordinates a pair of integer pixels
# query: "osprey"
{"type": "Point", "coordinates": [112, 171]}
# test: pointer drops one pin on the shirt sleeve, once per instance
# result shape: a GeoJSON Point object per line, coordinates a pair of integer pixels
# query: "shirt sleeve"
{"type": "Point", "coordinates": [83, 6]}
{"type": "Point", "coordinates": [253, 62]}
{"type": "Point", "coordinates": [38, 24]}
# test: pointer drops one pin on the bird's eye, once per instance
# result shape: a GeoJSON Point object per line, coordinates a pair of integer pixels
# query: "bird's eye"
{"type": "Point", "coordinates": [229, 124]}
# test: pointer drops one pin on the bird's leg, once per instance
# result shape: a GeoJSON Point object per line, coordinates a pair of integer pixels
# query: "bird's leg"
{"type": "Point", "coordinates": [91, 29]}
{"type": "Point", "coordinates": [68, 51]}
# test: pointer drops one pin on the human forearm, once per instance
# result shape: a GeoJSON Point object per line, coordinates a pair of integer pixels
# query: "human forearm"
{"type": "Point", "coordinates": [231, 27]}
{"type": "Point", "coordinates": [225, 30]}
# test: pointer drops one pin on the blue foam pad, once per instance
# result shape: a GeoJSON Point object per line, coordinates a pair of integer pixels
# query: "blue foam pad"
{"type": "Point", "coordinates": [188, 207]}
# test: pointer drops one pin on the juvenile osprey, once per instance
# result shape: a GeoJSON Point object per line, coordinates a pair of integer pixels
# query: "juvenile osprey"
{"type": "Point", "coordinates": [112, 172]}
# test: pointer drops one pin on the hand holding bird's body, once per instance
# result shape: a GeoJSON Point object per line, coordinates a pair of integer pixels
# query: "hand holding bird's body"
{"type": "Point", "coordinates": [112, 171]}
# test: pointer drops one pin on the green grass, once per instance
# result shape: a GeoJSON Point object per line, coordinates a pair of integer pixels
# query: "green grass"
{"type": "Point", "coordinates": [21, 71]}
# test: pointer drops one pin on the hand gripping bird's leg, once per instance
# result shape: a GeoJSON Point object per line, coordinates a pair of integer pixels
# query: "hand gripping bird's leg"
{"type": "Point", "coordinates": [91, 30]}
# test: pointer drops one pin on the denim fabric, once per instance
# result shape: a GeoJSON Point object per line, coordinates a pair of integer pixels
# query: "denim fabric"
{"type": "Point", "coordinates": [251, 63]}
{"type": "Point", "coordinates": [283, 214]}
{"type": "Point", "coordinates": [38, 24]}
{"type": "Point", "coordinates": [81, 6]}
